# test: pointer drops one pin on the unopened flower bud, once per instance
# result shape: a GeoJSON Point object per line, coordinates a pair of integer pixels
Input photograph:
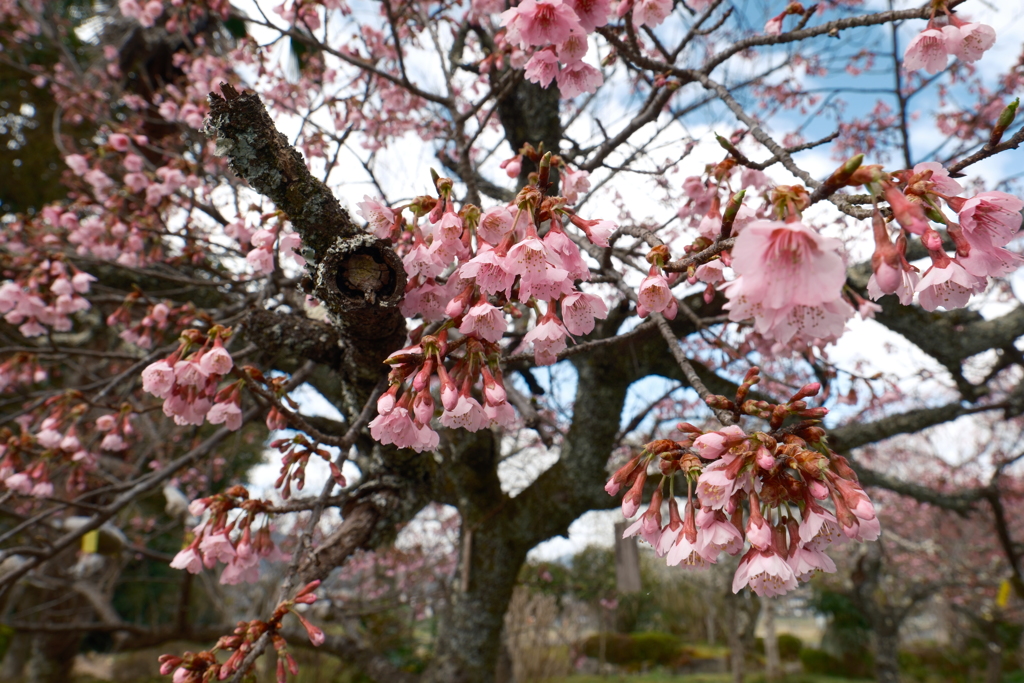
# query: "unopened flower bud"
{"type": "Point", "coordinates": [1003, 122]}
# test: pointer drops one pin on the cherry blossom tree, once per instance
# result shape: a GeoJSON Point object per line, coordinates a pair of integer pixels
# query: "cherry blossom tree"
{"type": "Point", "coordinates": [166, 317]}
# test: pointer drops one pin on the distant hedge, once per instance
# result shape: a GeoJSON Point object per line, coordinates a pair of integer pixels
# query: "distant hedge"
{"type": "Point", "coordinates": [635, 649]}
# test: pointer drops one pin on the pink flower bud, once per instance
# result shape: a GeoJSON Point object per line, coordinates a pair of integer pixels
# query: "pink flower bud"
{"type": "Point", "coordinates": [386, 402]}
{"type": "Point", "coordinates": [423, 407]}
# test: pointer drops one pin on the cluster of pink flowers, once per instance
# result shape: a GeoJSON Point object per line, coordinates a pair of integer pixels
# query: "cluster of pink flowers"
{"type": "Point", "coordinates": [146, 13]}
{"type": "Point", "coordinates": [21, 369]}
{"type": "Point", "coordinates": [33, 481]}
{"type": "Point", "coordinates": [261, 257]}
{"type": "Point", "coordinates": [561, 29]}
{"type": "Point", "coordinates": [930, 49]}
{"type": "Point", "coordinates": [500, 259]}
{"type": "Point", "coordinates": [404, 419]}
{"type": "Point", "coordinates": [189, 378]}
{"type": "Point", "coordinates": [204, 666]}
{"type": "Point", "coordinates": [53, 442]}
{"type": "Point", "coordinates": [157, 319]}
{"type": "Point", "coordinates": [988, 221]}
{"type": "Point", "coordinates": [784, 483]}
{"type": "Point", "coordinates": [212, 541]}
{"type": "Point", "coordinates": [116, 427]}
{"type": "Point", "coordinates": [48, 297]}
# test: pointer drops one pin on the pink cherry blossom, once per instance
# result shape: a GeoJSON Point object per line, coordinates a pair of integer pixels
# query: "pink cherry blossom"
{"type": "Point", "coordinates": [113, 443]}
{"type": "Point", "coordinates": [597, 232]}
{"type": "Point", "coordinates": [711, 272]}
{"type": "Point", "coordinates": [940, 177]}
{"type": "Point", "coordinates": [77, 163]}
{"type": "Point", "coordinates": [539, 270]}
{"type": "Point", "coordinates": [578, 78]}
{"type": "Point", "coordinates": [133, 163]}
{"type": "Point", "coordinates": [484, 320]}
{"type": "Point", "coordinates": [216, 361]}
{"type": "Point", "coordinates": [158, 379]}
{"type": "Point", "coordinates": [395, 427]}
{"type": "Point", "coordinates": [715, 486]}
{"type": "Point", "coordinates": [649, 524]}
{"type": "Point", "coordinates": [501, 415]}
{"type": "Point", "coordinates": [379, 217]}
{"type": "Point", "coordinates": [774, 26]}
{"type": "Point", "coordinates": [717, 534]}
{"type": "Point", "coordinates": [548, 339]}
{"type": "Point", "coordinates": [119, 141]}
{"type": "Point", "coordinates": [495, 224]}
{"type": "Point", "coordinates": [715, 444]}
{"type": "Point", "coordinates": [244, 566]}
{"type": "Point", "coordinates": [427, 300]}
{"type": "Point", "coordinates": [261, 259]}
{"type": "Point", "coordinates": [579, 311]}
{"type": "Point", "coordinates": [786, 264]}
{"type": "Point", "coordinates": [655, 294]}
{"type": "Point", "coordinates": [49, 438]}
{"type": "Point", "coordinates": [651, 12]}
{"type": "Point", "coordinates": [591, 13]}
{"type": "Point", "coordinates": [949, 286]}
{"type": "Point", "coordinates": [904, 287]}
{"type": "Point", "coordinates": [969, 41]}
{"type": "Point", "coordinates": [542, 68]}
{"type": "Point", "coordinates": [513, 166]}
{"type": "Point", "coordinates": [189, 560]}
{"type": "Point", "coordinates": [758, 532]}
{"type": "Point", "coordinates": [992, 217]}
{"type": "Point", "coordinates": [467, 414]}
{"type": "Point", "coordinates": [928, 51]}
{"type": "Point", "coordinates": [574, 183]}
{"type": "Point", "coordinates": [806, 562]}
{"type": "Point", "coordinates": [20, 483]}
{"type": "Point", "coordinates": [105, 423]}
{"type": "Point", "coordinates": [766, 572]}
{"type": "Point", "coordinates": [216, 548]}
{"type": "Point", "coordinates": [988, 261]}
{"type": "Point", "coordinates": [574, 48]}
{"type": "Point", "coordinates": [492, 272]}
{"type": "Point", "coordinates": [226, 412]}
{"type": "Point", "coordinates": [568, 254]}
{"type": "Point", "coordinates": [190, 373]}
{"type": "Point", "coordinates": [420, 261]}
{"type": "Point", "coordinates": [686, 550]}
{"type": "Point", "coordinates": [540, 23]}
{"type": "Point", "coordinates": [819, 526]}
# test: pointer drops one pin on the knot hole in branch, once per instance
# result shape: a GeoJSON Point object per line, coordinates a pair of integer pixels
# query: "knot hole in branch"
{"type": "Point", "coordinates": [360, 272]}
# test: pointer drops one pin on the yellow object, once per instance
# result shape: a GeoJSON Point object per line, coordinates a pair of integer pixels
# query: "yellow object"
{"type": "Point", "coordinates": [1004, 593]}
{"type": "Point", "coordinates": [91, 541]}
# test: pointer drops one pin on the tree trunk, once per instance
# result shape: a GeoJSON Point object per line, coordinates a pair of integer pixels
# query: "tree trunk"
{"type": "Point", "coordinates": [734, 632]}
{"type": "Point", "coordinates": [16, 657]}
{"type": "Point", "coordinates": [887, 640]}
{"type": "Point", "coordinates": [53, 655]}
{"type": "Point", "coordinates": [994, 664]}
{"type": "Point", "coordinates": [470, 635]}
{"type": "Point", "coordinates": [773, 663]}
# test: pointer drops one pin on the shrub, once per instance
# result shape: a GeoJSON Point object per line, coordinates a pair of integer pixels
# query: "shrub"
{"type": "Point", "coordinates": [635, 649]}
{"type": "Point", "coordinates": [851, 665]}
{"type": "Point", "coordinates": [790, 646]}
